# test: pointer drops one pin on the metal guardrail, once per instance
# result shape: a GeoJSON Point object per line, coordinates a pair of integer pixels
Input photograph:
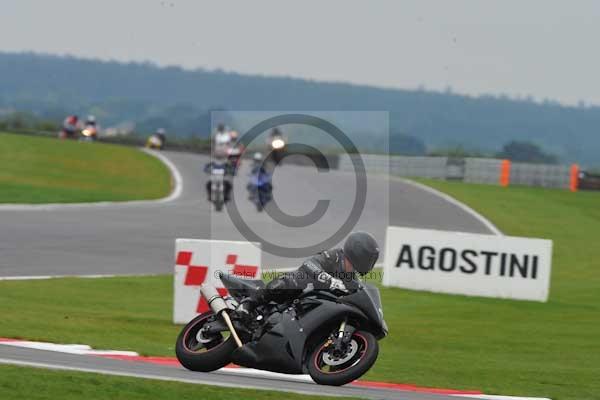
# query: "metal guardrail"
{"type": "Point", "coordinates": [473, 170]}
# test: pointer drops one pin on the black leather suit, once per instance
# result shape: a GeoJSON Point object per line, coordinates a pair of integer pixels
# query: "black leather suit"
{"type": "Point", "coordinates": [318, 270]}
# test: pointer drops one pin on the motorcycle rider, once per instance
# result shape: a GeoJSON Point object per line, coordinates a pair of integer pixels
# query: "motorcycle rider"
{"type": "Point", "coordinates": [258, 164]}
{"type": "Point", "coordinates": [162, 135]}
{"type": "Point", "coordinates": [219, 163]}
{"type": "Point", "coordinates": [334, 270]}
{"type": "Point", "coordinates": [70, 127]}
{"type": "Point", "coordinates": [261, 175]}
{"type": "Point", "coordinates": [274, 134]}
{"type": "Point", "coordinates": [221, 140]}
{"type": "Point", "coordinates": [276, 143]}
{"type": "Point", "coordinates": [234, 152]}
{"type": "Point", "coordinates": [90, 121]}
{"type": "Point", "coordinates": [260, 186]}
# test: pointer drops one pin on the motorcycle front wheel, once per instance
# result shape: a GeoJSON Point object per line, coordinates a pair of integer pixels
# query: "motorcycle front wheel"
{"type": "Point", "coordinates": [328, 366]}
{"type": "Point", "coordinates": [198, 353]}
{"type": "Point", "coordinates": [218, 200]}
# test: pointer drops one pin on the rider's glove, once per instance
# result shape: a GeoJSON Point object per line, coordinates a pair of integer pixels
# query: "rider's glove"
{"type": "Point", "coordinates": [337, 284]}
{"type": "Point", "coordinates": [334, 283]}
{"type": "Point", "coordinates": [246, 306]}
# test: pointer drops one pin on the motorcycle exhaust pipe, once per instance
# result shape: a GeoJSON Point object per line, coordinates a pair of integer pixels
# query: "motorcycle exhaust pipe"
{"type": "Point", "coordinates": [219, 307]}
{"type": "Point", "coordinates": [213, 298]}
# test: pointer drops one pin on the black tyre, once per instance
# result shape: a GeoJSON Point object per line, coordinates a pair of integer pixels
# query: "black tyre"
{"type": "Point", "coordinates": [204, 357]}
{"type": "Point", "coordinates": [327, 367]}
{"type": "Point", "coordinates": [218, 204]}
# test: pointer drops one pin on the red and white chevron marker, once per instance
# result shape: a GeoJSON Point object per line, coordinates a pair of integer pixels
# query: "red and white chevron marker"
{"type": "Point", "coordinates": [199, 261]}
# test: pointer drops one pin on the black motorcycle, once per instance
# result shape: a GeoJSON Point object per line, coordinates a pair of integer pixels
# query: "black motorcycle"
{"type": "Point", "coordinates": [278, 148]}
{"type": "Point", "coordinates": [333, 338]}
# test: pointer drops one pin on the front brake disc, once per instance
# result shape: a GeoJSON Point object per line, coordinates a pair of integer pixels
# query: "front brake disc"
{"type": "Point", "coordinates": [334, 360]}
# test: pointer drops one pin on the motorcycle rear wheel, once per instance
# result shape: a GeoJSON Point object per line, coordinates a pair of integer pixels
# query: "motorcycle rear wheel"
{"type": "Point", "coordinates": [204, 357]}
{"type": "Point", "coordinates": [326, 368]}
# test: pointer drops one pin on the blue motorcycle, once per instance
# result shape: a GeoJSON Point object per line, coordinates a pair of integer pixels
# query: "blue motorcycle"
{"type": "Point", "coordinates": [260, 187]}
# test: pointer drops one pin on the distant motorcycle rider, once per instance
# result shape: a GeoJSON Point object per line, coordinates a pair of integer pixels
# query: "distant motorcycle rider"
{"type": "Point", "coordinates": [70, 127]}
{"type": "Point", "coordinates": [221, 140]}
{"type": "Point", "coordinates": [90, 121]}
{"type": "Point", "coordinates": [258, 165]}
{"type": "Point", "coordinates": [219, 163]}
{"type": "Point", "coordinates": [260, 186]}
{"type": "Point", "coordinates": [162, 135]}
{"type": "Point", "coordinates": [334, 270]}
{"type": "Point", "coordinates": [234, 152]}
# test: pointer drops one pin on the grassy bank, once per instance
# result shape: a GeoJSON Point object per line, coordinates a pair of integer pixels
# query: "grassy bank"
{"type": "Point", "coordinates": [16, 383]}
{"type": "Point", "coordinates": [46, 170]}
{"type": "Point", "coordinates": [498, 346]}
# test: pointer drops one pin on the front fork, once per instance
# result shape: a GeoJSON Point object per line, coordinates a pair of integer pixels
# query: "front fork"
{"type": "Point", "coordinates": [344, 334]}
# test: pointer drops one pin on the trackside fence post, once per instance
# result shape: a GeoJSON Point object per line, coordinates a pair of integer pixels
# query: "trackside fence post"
{"type": "Point", "coordinates": [505, 173]}
{"type": "Point", "coordinates": [574, 182]}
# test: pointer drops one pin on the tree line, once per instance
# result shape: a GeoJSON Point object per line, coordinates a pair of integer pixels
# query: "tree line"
{"type": "Point", "coordinates": [180, 100]}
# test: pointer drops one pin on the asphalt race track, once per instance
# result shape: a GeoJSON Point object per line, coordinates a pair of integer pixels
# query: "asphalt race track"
{"type": "Point", "coordinates": [138, 238]}
{"type": "Point", "coordinates": [49, 359]}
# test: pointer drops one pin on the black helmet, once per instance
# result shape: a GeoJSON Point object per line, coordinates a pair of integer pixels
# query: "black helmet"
{"type": "Point", "coordinates": [362, 251]}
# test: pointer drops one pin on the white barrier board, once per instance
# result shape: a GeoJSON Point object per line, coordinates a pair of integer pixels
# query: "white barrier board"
{"type": "Point", "coordinates": [467, 263]}
{"type": "Point", "coordinates": [199, 261]}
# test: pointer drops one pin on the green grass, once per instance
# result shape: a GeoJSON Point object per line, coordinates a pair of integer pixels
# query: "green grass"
{"type": "Point", "coordinates": [499, 346]}
{"type": "Point", "coordinates": [46, 170]}
{"type": "Point", "coordinates": [40, 384]}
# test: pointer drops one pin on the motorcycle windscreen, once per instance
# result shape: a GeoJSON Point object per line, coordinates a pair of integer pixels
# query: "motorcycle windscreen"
{"type": "Point", "coordinates": [368, 301]}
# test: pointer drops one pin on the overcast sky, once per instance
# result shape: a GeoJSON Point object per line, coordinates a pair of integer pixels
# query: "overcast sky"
{"type": "Point", "coordinates": [548, 49]}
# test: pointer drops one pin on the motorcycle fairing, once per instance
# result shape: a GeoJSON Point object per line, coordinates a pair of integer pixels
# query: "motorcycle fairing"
{"type": "Point", "coordinates": [368, 301]}
{"type": "Point", "coordinates": [274, 351]}
{"type": "Point", "coordinates": [240, 288]}
{"type": "Point", "coordinates": [284, 347]}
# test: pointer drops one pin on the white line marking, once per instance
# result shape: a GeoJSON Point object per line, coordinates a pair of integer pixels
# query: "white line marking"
{"type": "Point", "coordinates": [83, 349]}
{"type": "Point", "coordinates": [178, 181]}
{"type": "Point", "coordinates": [488, 224]}
{"type": "Point", "coordinates": [495, 397]}
{"type": "Point", "coordinates": [175, 194]}
{"type": "Point", "coordinates": [80, 349]}
{"type": "Point", "coordinates": [267, 375]}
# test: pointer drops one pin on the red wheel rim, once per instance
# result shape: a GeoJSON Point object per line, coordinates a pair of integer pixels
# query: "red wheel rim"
{"type": "Point", "coordinates": [318, 359]}
{"type": "Point", "coordinates": [195, 328]}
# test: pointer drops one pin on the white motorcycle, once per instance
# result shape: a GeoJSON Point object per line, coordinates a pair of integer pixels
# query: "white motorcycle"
{"type": "Point", "coordinates": [218, 185]}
